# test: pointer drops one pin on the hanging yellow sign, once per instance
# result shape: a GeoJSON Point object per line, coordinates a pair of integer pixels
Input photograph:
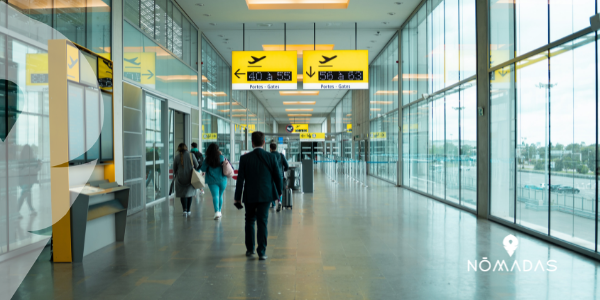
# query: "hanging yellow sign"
{"type": "Point", "coordinates": [105, 74]}
{"type": "Point", "coordinates": [378, 136]}
{"type": "Point", "coordinates": [241, 127]}
{"type": "Point", "coordinates": [312, 136]}
{"type": "Point", "coordinates": [209, 137]}
{"type": "Point", "coordinates": [264, 70]}
{"type": "Point", "coordinates": [348, 127]}
{"type": "Point", "coordinates": [336, 69]}
{"type": "Point", "coordinates": [72, 63]}
{"type": "Point", "coordinates": [300, 128]}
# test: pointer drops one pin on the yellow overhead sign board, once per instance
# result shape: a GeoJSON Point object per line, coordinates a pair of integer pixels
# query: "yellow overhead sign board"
{"type": "Point", "coordinates": [336, 70]}
{"type": "Point", "coordinates": [140, 67]}
{"type": "Point", "coordinates": [241, 127]}
{"type": "Point", "coordinates": [209, 137]}
{"type": "Point", "coordinates": [348, 127]}
{"type": "Point", "coordinates": [378, 136]}
{"type": "Point", "coordinates": [300, 128]}
{"type": "Point", "coordinates": [264, 70]}
{"type": "Point", "coordinates": [312, 136]}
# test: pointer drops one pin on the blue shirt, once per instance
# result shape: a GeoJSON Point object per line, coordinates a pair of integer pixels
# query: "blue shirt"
{"type": "Point", "coordinates": [214, 175]}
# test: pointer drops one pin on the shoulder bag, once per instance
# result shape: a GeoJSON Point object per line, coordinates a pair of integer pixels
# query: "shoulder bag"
{"type": "Point", "coordinates": [227, 169]}
{"type": "Point", "coordinates": [198, 181]}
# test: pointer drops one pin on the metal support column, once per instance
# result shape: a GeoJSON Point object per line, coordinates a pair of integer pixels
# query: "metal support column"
{"type": "Point", "coordinates": [483, 110]}
{"type": "Point", "coordinates": [399, 163]}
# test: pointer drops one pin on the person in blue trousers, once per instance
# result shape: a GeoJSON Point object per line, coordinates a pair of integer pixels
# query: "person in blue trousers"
{"type": "Point", "coordinates": [216, 181]}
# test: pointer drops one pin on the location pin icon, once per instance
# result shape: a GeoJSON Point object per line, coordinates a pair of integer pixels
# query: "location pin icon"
{"type": "Point", "coordinates": [510, 244]}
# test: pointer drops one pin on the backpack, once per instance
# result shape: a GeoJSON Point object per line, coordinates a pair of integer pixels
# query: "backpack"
{"type": "Point", "coordinates": [199, 158]}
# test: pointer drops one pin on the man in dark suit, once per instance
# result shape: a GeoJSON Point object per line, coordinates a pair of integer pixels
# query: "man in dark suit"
{"type": "Point", "coordinates": [283, 166]}
{"type": "Point", "coordinates": [260, 179]}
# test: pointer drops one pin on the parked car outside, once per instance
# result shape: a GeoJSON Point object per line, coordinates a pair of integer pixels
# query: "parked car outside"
{"type": "Point", "coordinates": [567, 190]}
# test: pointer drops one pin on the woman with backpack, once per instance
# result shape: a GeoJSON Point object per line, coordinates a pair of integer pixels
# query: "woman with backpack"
{"type": "Point", "coordinates": [184, 164]}
{"type": "Point", "coordinates": [215, 179]}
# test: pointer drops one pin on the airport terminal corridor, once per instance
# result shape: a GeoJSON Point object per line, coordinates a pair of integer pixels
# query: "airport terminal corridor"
{"type": "Point", "coordinates": [345, 241]}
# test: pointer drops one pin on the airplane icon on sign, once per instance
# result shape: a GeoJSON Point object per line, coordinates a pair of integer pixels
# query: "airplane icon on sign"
{"type": "Point", "coordinates": [132, 61]}
{"type": "Point", "coordinates": [256, 59]}
{"type": "Point", "coordinates": [327, 59]}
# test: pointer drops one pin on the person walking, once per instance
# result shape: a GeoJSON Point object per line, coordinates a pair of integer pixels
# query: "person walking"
{"type": "Point", "coordinates": [259, 178]}
{"type": "Point", "coordinates": [184, 163]}
{"type": "Point", "coordinates": [283, 166]}
{"type": "Point", "coordinates": [199, 158]}
{"type": "Point", "coordinates": [216, 181]}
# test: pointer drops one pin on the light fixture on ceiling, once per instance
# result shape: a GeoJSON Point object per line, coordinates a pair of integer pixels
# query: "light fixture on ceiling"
{"type": "Point", "coordinates": [206, 15]}
{"type": "Point", "coordinates": [375, 109]}
{"type": "Point", "coordinates": [199, 4]}
{"type": "Point", "coordinates": [225, 103]}
{"type": "Point", "coordinates": [386, 93]}
{"type": "Point", "coordinates": [264, 24]}
{"type": "Point", "coordinates": [381, 102]}
{"type": "Point", "coordinates": [229, 48]}
{"type": "Point", "coordinates": [299, 48]}
{"type": "Point", "coordinates": [373, 41]}
{"type": "Point", "coordinates": [233, 110]}
{"type": "Point", "coordinates": [215, 94]}
{"type": "Point", "coordinates": [297, 4]}
{"type": "Point", "coordinates": [299, 102]}
{"type": "Point", "coordinates": [204, 79]}
{"type": "Point", "coordinates": [398, 3]}
{"type": "Point", "coordinates": [385, 23]}
{"type": "Point", "coordinates": [220, 35]}
{"type": "Point", "coordinates": [299, 115]}
{"type": "Point", "coordinates": [298, 109]}
{"type": "Point", "coordinates": [391, 13]}
{"type": "Point", "coordinates": [300, 77]}
{"type": "Point", "coordinates": [212, 24]}
{"type": "Point", "coordinates": [368, 47]}
{"type": "Point", "coordinates": [298, 93]}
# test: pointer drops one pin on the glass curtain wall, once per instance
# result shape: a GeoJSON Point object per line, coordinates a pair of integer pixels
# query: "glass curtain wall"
{"type": "Point", "coordinates": [383, 105]}
{"type": "Point", "coordinates": [150, 65]}
{"type": "Point", "coordinates": [156, 150]}
{"type": "Point", "coordinates": [216, 84]}
{"type": "Point", "coordinates": [85, 22]}
{"type": "Point", "coordinates": [166, 25]}
{"type": "Point", "coordinates": [439, 132]}
{"type": "Point", "coordinates": [543, 111]}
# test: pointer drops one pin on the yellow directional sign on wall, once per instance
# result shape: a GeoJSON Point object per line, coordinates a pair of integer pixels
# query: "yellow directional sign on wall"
{"type": "Point", "coordinates": [140, 67]}
{"type": "Point", "coordinates": [336, 69]}
{"type": "Point", "coordinates": [37, 69]}
{"type": "Point", "coordinates": [312, 136]}
{"type": "Point", "coordinates": [72, 63]}
{"type": "Point", "coordinates": [264, 70]}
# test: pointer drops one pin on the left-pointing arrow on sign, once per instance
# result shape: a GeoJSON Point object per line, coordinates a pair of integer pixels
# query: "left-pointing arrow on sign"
{"type": "Point", "coordinates": [237, 73]}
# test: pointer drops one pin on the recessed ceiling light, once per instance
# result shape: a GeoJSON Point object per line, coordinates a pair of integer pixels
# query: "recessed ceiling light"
{"type": "Point", "coordinates": [299, 115]}
{"type": "Point", "coordinates": [368, 47]}
{"type": "Point", "coordinates": [200, 4]}
{"type": "Point", "coordinates": [398, 3]}
{"type": "Point", "coordinates": [213, 24]}
{"type": "Point", "coordinates": [300, 48]}
{"type": "Point", "coordinates": [391, 13]}
{"type": "Point", "coordinates": [225, 42]}
{"type": "Point", "coordinates": [220, 35]}
{"type": "Point", "coordinates": [264, 24]}
{"type": "Point", "coordinates": [297, 4]}
{"type": "Point", "coordinates": [206, 15]}
{"type": "Point", "coordinates": [298, 93]}
{"type": "Point", "coordinates": [299, 102]}
{"type": "Point", "coordinates": [298, 109]}
{"type": "Point", "coordinates": [372, 41]}
{"type": "Point", "coordinates": [229, 48]}
{"type": "Point", "coordinates": [385, 23]}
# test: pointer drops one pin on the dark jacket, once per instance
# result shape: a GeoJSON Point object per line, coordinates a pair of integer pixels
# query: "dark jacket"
{"type": "Point", "coordinates": [255, 179]}
{"type": "Point", "coordinates": [183, 174]}
{"type": "Point", "coordinates": [199, 156]}
{"type": "Point", "coordinates": [282, 162]}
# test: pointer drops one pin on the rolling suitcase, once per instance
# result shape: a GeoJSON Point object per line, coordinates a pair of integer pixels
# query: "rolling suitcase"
{"type": "Point", "coordinates": [287, 199]}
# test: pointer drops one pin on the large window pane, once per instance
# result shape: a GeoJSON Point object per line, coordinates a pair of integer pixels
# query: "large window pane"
{"type": "Point", "coordinates": [573, 138]}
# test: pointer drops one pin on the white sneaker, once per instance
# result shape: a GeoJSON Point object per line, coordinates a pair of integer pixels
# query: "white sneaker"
{"type": "Point", "coordinates": [220, 215]}
{"type": "Point", "coordinates": [217, 215]}
{"type": "Point", "coordinates": [189, 213]}
{"type": "Point", "coordinates": [185, 213]}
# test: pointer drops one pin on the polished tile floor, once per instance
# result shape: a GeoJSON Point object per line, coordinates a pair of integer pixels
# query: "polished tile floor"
{"type": "Point", "coordinates": [341, 242]}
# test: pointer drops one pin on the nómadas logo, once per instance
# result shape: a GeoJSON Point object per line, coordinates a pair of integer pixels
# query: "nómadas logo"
{"type": "Point", "coordinates": [511, 243]}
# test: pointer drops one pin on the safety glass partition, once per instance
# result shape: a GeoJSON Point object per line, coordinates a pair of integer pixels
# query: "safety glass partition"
{"type": "Point", "coordinates": [156, 148]}
{"type": "Point", "coordinates": [543, 133]}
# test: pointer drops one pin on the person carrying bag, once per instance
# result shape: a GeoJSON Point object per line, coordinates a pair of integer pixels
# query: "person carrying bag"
{"type": "Point", "coordinates": [185, 177]}
{"type": "Point", "coordinates": [217, 170]}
